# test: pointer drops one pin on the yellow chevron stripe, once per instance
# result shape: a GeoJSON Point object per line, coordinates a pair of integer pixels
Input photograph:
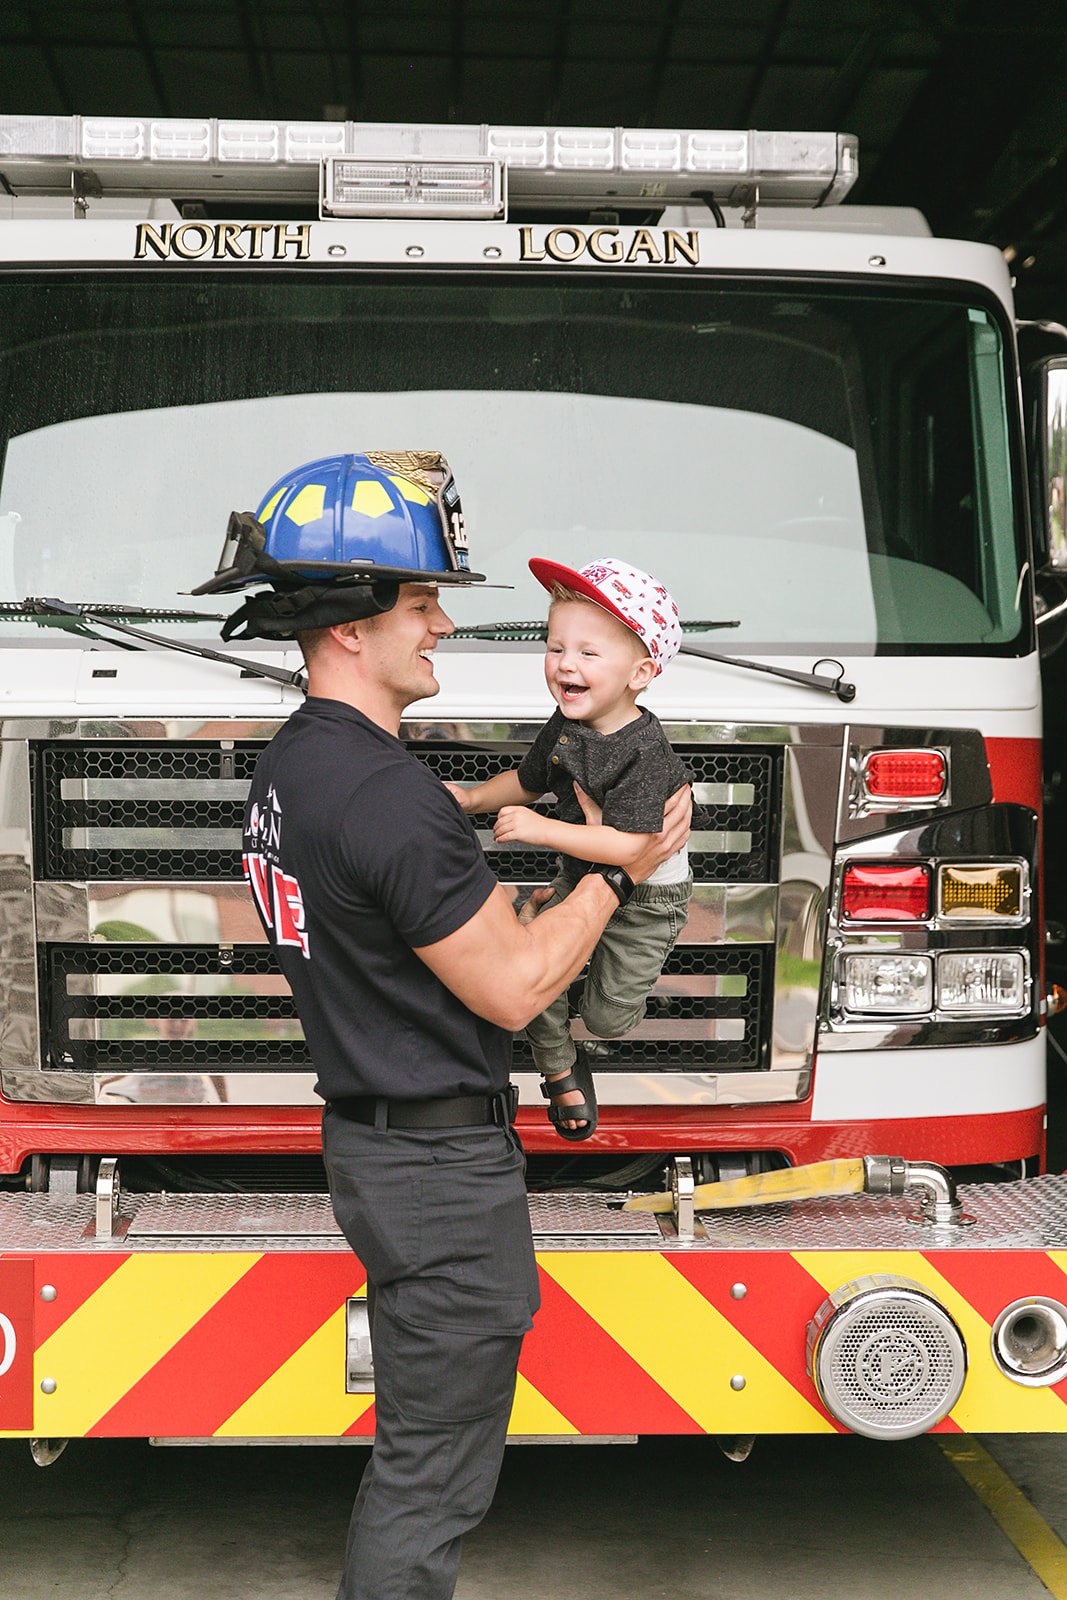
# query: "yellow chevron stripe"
{"type": "Point", "coordinates": [683, 1342]}
{"type": "Point", "coordinates": [306, 1395]}
{"type": "Point", "coordinates": [990, 1402]}
{"type": "Point", "coordinates": [533, 1414]}
{"type": "Point", "coordinates": [121, 1331]}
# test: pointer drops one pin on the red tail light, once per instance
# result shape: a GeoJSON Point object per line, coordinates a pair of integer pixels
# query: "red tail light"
{"type": "Point", "coordinates": [885, 894]}
{"type": "Point", "coordinates": [905, 774]}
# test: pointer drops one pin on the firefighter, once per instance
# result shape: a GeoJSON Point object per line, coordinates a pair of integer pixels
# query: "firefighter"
{"type": "Point", "coordinates": [410, 971]}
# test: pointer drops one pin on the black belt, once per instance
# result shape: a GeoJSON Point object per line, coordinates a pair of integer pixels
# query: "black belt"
{"type": "Point", "coordinates": [460, 1111]}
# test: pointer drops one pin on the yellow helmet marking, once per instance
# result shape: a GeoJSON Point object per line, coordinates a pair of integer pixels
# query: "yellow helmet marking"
{"type": "Point", "coordinates": [308, 505]}
{"type": "Point", "coordinates": [409, 490]}
{"type": "Point", "coordinates": [266, 509]}
{"type": "Point", "coordinates": [371, 499]}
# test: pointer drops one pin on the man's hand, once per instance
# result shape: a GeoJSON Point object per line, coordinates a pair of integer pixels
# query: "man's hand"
{"type": "Point", "coordinates": [519, 825]}
{"type": "Point", "coordinates": [594, 814]}
{"type": "Point", "coordinates": [677, 815]}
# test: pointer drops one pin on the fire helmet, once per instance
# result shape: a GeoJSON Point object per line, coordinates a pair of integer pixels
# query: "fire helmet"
{"type": "Point", "coordinates": [335, 538]}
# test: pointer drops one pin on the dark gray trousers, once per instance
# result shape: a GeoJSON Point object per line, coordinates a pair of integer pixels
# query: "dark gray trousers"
{"type": "Point", "coordinates": [440, 1222]}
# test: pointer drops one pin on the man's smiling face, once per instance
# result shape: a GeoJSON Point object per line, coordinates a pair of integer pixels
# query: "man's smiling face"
{"type": "Point", "coordinates": [399, 645]}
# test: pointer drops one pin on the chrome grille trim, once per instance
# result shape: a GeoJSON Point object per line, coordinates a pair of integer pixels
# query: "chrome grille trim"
{"type": "Point", "coordinates": [758, 858]}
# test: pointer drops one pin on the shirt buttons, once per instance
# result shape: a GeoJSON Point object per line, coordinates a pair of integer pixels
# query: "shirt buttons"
{"type": "Point", "coordinates": [555, 761]}
{"type": "Point", "coordinates": [563, 738]}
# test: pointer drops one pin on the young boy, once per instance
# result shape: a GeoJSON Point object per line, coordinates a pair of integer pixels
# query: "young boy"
{"type": "Point", "coordinates": [611, 630]}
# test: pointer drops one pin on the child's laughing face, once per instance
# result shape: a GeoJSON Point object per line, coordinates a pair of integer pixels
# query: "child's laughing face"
{"type": "Point", "coordinates": [595, 666]}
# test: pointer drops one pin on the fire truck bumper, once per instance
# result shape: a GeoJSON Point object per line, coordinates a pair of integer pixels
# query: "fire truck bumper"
{"type": "Point", "coordinates": [243, 1317]}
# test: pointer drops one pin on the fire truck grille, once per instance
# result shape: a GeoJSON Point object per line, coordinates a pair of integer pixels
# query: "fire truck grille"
{"type": "Point", "coordinates": [179, 1008]}
{"type": "Point", "coordinates": [145, 811]}
{"type": "Point", "coordinates": [135, 810]}
{"type": "Point", "coordinates": [176, 1007]}
{"type": "Point", "coordinates": [170, 812]}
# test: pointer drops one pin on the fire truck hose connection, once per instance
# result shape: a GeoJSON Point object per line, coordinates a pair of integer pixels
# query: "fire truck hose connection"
{"type": "Point", "coordinates": [874, 1175]}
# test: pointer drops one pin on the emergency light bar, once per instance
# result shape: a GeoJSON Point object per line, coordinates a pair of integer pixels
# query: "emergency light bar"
{"type": "Point", "coordinates": [545, 166]}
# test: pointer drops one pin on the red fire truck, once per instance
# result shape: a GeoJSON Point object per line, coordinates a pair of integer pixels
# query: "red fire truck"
{"type": "Point", "coordinates": [673, 345]}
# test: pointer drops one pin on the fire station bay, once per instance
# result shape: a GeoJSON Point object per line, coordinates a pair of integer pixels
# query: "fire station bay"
{"type": "Point", "coordinates": [813, 1216]}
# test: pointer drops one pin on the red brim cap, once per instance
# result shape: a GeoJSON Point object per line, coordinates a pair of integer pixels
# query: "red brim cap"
{"type": "Point", "coordinates": [550, 572]}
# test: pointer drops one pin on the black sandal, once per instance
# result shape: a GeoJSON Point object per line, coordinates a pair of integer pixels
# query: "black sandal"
{"type": "Point", "coordinates": [580, 1078]}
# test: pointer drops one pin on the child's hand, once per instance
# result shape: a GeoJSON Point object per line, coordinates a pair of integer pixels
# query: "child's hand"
{"type": "Point", "coordinates": [537, 902]}
{"type": "Point", "coordinates": [460, 795]}
{"type": "Point", "coordinates": [519, 825]}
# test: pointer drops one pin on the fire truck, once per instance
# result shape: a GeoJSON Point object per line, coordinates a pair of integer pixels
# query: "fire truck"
{"type": "Point", "coordinates": [817, 1199]}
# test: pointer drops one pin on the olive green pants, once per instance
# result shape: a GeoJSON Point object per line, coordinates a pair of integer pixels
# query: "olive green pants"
{"type": "Point", "coordinates": [622, 972]}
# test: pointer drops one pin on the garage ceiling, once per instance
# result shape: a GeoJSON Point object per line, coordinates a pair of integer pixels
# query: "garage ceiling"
{"type": "Point", "coordinates": [960, 105]}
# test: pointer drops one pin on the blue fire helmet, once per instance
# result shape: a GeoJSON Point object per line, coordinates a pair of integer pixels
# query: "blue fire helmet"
{"type": "Point", "coordinates": [378, 517]}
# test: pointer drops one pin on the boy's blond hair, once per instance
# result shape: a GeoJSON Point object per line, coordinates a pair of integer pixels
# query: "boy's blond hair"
{"type": "Point", "coordinates": [559, 594]}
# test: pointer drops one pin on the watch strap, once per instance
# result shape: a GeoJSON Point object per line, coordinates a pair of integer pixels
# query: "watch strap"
{"type": "Point", "coordinates": [619, 879]}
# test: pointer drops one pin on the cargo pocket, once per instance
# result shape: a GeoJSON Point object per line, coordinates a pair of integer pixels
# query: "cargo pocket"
{"type": "Point", "coordinates": [456, 1349]}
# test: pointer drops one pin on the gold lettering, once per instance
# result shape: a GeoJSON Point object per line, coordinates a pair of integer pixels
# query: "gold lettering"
{"type": "Point", "coordinates": [228, 241]}
{"type": "Point", "coordinates": [255, 231]}
{"type": "Point", "coordinates": [644, 245]}
{"type": "Point", "coordinates": [687, 246]}
{"type": "Point", "coordinates": [299, 235]}
{"type": "Point", "coordinates": [556, 249]}
{"type": "Point", "coordinates": [182, 237]}
{"type": "Point", "coordinates": [526, 247]}
{"type": "Point", "coordinates": [148, 235]}
{"type": "Point", "coordinates": [605, 252]}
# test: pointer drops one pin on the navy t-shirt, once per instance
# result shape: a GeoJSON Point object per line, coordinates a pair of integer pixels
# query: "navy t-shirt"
{"type": "Point", "coordinates": [355, 854]}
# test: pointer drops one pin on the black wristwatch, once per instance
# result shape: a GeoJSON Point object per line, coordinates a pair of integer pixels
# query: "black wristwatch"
{"type": "Point", "coordinates": [618, 877]}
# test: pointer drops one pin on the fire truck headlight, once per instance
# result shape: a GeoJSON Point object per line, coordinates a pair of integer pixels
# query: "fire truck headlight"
{"type": "Point", "coordinates": [883, 984]}
{"type": "Point", "coordinates": [1030, 1341]}
{"type": "Point", "coordinates": [979, 982]}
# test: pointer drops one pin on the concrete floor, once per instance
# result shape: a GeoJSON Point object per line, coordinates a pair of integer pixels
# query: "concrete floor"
{"type": "Point", "coordinates": [811, 1519]}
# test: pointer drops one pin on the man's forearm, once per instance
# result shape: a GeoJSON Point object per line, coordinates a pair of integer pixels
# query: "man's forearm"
{"type": "Point", "coordinates": [558, 944]}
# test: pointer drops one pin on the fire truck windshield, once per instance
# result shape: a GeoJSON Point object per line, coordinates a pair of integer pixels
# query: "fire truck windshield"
{"type": "Point", "coordinates": [832, 465]}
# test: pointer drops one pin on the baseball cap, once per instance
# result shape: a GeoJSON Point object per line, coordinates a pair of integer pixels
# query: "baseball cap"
{"type": "Point", "coordinates": [636, 598]}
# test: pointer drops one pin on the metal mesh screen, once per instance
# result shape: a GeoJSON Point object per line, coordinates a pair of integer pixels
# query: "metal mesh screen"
{"type": "Point", "coordinates": [165, 811]}
{"type": "Point", "coordinates": [180, 1008]}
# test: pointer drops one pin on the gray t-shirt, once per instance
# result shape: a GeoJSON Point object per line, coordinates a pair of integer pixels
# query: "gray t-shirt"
{"type": "Point", "coordinates": [631, 774]}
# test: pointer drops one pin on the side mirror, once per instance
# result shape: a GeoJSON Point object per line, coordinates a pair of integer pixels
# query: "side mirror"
{"type": "Point", "coordinates": [1050, 464]}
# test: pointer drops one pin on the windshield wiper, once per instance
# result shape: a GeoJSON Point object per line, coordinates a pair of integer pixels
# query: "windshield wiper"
{"type": "Point", "coordinates": [810, 680]}
{"type": "Point", "coordinates": [39, 608]}
{"type": "Point", "coordinates": [521, 632]}
{"type": "Point", "coordinates": [525, 632]}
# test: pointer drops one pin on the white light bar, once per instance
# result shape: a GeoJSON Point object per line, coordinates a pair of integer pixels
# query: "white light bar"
{"type": "Point", "coordinates": [399, 188]}
{"type": "Point", "coordinates": [546, 165]}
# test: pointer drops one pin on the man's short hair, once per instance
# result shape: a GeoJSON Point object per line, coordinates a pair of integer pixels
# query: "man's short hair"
{"type": "Point", "coordinates": [310, 640]}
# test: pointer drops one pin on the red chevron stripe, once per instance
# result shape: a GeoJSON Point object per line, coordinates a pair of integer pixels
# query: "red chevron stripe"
{"type": "Point", "coordinates": [234, 1348]}
{"type": "Point", "coordinates": [75, 1280]}
{"type": "Point", "coordinates": [780, 1300]}
{"type": "Point", "coordinates": [579, 1368]}
{"type": "Point", "coordinates": [363, 1426]}
{"type": "Point", "coordinates": [991, 1280]}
